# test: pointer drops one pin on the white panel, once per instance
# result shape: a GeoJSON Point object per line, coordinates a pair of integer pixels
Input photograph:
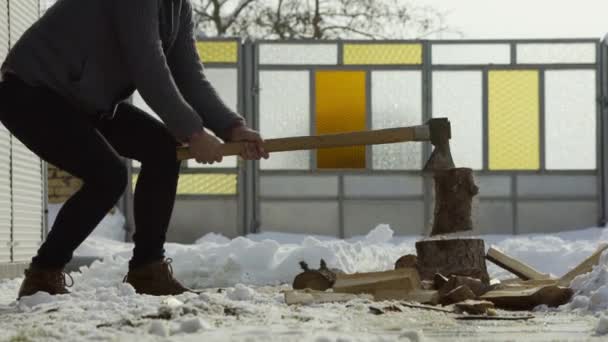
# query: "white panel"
{"type": "Point", "coordinates": [294, 54]}
{"type": "Point", "coordinates": [492, 217]}
{"type": "Point", "coordinates": [23, 13]}
{"type": "Point", "coordinates": [285, 111]}
{"type": "Point", "coordinates": [225, 81]}
{"type": "Point", "coordinates": [547, 216]}
{"type": "Point", "coordinates": [194, 218]}
{"type": "Point", "coordinates": [556, 53]}
{"type": "Point", "coordinates": [404, 217]}
{"type": "Point", "coordinates": [382, 186]}
{"type": "Point", "coordinates": [317, 218]}
{"type": "Point", "coordinates": [397, 102]}
{"type": "Point", "coordinates": [493, 186]}
{"type": "Point", "coordinates": [570, 119]}
{"type": "Point", "coordinates": [5, 196]}
{"type": "Point", "coordinates": [464, 54]}
{"type": "Point", "coordinates": [458, 96]}
{"type": "Point", "coordinates": [27, 202]}
{"type": "Point", "coordinates": [3, 30]}
{"type": "Point", "coordinates": [557, 185]}
{"type": "Point", "coordinates": [298, 186]}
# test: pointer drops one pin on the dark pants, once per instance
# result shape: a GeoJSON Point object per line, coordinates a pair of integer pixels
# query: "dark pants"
{"type": "Point", "coordinates": [91, 149]}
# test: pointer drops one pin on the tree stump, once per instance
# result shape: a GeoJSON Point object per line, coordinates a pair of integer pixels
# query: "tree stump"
{"type": "Point", "coordinates": [454, 192]}
{"type": "Point", "coordinates": [462, 257]}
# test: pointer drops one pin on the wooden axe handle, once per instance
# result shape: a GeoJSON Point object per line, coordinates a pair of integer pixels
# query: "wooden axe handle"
{"type": "Point", "coordinates": [374, 137]}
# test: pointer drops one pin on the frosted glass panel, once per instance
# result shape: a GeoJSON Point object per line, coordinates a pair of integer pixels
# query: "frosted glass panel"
{"type": "Point", "coordinates": [285, 111]}
{"type": "Point", "coordinates": [458, 96]}
{"type": "Point", "coordinates": [471, 54]}
{"type": "Point", "coordinates": [225, 82]}
{"type": "Point", "coordinates": [396, 102]}
{"type": "Point", "coordinates": [513, 120]}
{"type": "Point", "coordinates": [556, 53]}
{"type": "Point", "coordinates": [340, 107]}
{"type": "Point", "coordinates": [570, 119]}
{"type": "Point", "coordinates": [293, 54]}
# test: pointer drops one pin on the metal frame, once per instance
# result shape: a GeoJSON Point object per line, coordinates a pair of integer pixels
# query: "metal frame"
{"type": "Point", "coordinates": [427, 69]}
{"type": "Point", "coordinates": [249, 196]}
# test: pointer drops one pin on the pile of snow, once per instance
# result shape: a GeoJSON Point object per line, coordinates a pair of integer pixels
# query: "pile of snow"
{"type": "Point", "coordinates": [248, 310]}
{"type": "Point", "coordinates": [591, 289]}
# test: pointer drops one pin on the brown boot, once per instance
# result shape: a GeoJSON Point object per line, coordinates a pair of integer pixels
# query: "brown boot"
{"type": "Point", "coordinates": [50, 281]}
{"type": "Point", "coordinates": [155, 279]}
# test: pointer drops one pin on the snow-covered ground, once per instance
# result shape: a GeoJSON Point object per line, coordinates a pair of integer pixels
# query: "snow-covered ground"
{"type": "Point", "coordinates": [245, 277]}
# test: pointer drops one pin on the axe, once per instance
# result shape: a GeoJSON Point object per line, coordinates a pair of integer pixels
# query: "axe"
{"type": "Point", "coordinates": [437, 131]}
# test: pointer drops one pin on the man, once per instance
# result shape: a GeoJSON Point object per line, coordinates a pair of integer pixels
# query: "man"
{"type": "Point", "coordinates": [62, 94]}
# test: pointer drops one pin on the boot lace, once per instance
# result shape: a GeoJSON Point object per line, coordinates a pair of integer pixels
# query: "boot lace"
{"type": "Point", "coordinates": [61, 277]}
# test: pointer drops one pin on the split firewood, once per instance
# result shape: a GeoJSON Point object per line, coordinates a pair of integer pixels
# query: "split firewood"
{"type": "Point", "coordinates": [439, 281]}
{"type": "Point", "coordinates": [459, 294]}
{"type": "Point", "coordinates": [520, 269]}
{"type": "Point", "coordinates": [426, 307]}
{"type": "Point", "coordinates": [520, 283]}
{"type": "Point", "coordinates": [584, 267]}
{"type": "Point", "coordinates": [404, 279]}
{"type": "Point", "coordinates": [475, 285]}
{"type": "Point", "coordinates": [474, 307]}
{"type": "Point", "coordinates": [406, 261]}
{"type": "Point", "coordinates": [320, 280]}
{"type": "Point", "coordinates": [495, 317]}
{"type": "Point", "coordinates": [400, 284]}
{"type": "Point", "coordinates": [529, 298]}
{"type": "Point", "coordinates": [306, 297]}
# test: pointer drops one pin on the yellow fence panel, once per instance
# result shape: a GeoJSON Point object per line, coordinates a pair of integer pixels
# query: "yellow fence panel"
{"type": "Point", "coordinates": [379, 54]}
{"type": "Point", "coordinates": [513, 121]}
{"type": "Point", "coordinates": [218, 52]}
{"type": "Point", "coordinates": [340, 107]}
{"type": "Point", "coordinates": [204, 184]}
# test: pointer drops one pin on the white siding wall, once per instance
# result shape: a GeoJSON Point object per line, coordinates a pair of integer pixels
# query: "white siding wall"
{"type": "Point", "coordinates": [26, 176]}
{"type": "Point", "coordinates": [5, 152]}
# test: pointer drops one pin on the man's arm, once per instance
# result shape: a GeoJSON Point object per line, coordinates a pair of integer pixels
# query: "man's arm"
{"type": "Point", "coordinates": [188, 72]}
{"type": "Point", "coordinates": [137, 27]}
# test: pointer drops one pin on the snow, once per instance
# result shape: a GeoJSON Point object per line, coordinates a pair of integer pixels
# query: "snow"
{"type": "Point", "coordinates": [244, 278]}
{"type": "Point", "coordinates": [602, 325]}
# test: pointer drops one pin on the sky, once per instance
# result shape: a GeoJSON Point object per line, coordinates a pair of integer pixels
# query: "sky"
{"type": "Point", "coordinates": [477, 19]}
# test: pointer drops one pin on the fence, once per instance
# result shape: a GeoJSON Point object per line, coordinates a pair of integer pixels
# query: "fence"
{"type": "Point", "coordinates": [524, 115]}
{"type": "Point", "coordinates": [22, 174]}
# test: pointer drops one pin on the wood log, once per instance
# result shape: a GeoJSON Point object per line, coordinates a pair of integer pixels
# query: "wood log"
{"type": "Point", "coordinates": [406, 261]}
{"type": "Point", "coordinates": [459, 294]}
{"type": "Point", "coordinates": [475, 285]}
{"type": "Point", "coordinates": [439, 281]}
{"type": "Point", "coordinates": [584, 267]}
{"type": "Point", "coordinates": [463, 257]}
{"type": "Point", "coordinates": [318, 297]}
{"type": "Point", "coordinates": [454, 192]}
{"type": "Point", "coordinates": [520, 269]}
{"type": "Point", "coordinates": [396, 284]}
{"type": "Point", "coordinates": [529, 298]}
{"type": "Point", "coordinates": [320, 280]}
{"type": "Point", "coordinates": [474, 307]}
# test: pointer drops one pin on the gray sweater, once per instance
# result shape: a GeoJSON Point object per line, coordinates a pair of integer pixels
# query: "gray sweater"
{"type": "Point", "coordinates": [95, 53]}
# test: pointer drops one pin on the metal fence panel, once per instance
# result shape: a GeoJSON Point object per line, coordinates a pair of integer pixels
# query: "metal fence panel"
{"type": "Point", "coordinates": [503, 98]}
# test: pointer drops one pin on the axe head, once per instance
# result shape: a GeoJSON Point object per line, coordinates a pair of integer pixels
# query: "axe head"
{"type": "Point", "coordinates": [440, 134]}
